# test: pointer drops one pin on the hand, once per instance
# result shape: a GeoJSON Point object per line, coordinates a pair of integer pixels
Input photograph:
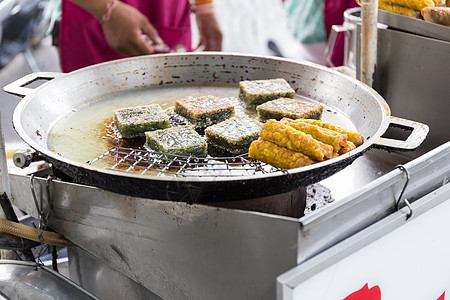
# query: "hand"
{"type": "Point", "coordinates": [129, 32]}
{"type": "Point", "coordinates": [210, 33]}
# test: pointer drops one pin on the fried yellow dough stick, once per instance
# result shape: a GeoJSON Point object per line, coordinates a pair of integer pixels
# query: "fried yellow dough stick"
{"type": "Point", "coordinates": [397, 9]}
{"type": "Point", "coordinates": [352, 136]}
{"type": "Point", "coordinates": [413, 4]}
{"type": "Point", "coordinates": [327, 136]}
{"type": "Point", "coordinates": [295, 140]}
{"type": "Point", "coordinates": [277, 156]}
{"type": "Point", "coordinates": [347, 147]}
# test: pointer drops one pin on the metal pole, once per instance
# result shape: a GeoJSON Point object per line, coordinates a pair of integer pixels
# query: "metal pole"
{"type": "Point", "coordinates": [4, 181]}
{"type": "Point", "coordinates": [369, 17]}
{"type": "Point", "coordinates": [4, 186]}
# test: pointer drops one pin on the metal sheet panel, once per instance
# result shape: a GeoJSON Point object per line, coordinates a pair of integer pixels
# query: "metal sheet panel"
{"type": "Point", "coordinates": [176, 250]}
{"type": "Point", "coordinates": [372, 202]}
{"type": "Point", "coordinates": [414, 25]}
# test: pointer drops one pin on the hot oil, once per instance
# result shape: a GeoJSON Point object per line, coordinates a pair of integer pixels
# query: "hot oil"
{"type": "Point", "coordinates": [89, 132]}
{"type": "Point", "coordinates": [86, 133]}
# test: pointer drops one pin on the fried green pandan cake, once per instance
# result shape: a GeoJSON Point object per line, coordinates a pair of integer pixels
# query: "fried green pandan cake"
{"type": "Point", "coordinates": [234, 135]}
{"type": "Point", "coordinates": [255, 92]}
{"type": "Point", "coordinates": [204, 111]}
{"type": "Point", "coordinates": [289, 108]}
{"type": "Point", "coordinates": [135, 121]}
{"type": "Point", "coordinates": [182, 140]}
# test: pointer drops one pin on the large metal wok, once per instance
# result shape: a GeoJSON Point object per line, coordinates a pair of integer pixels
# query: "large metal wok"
{"type": "Point", "coordinates": [43, 107]}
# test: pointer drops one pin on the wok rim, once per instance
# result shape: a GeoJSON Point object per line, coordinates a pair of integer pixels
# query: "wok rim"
{"type": "Point", "coordinates": [368, 143]}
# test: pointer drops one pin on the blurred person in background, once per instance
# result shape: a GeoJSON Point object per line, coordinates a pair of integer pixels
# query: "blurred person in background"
{"type": "Point", "coordinates": [311, 21]}
{"type": "Point", "coordinates": [95, 31]}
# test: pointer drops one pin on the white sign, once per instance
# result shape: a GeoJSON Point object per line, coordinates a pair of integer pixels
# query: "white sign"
{"type": "Point", "coordinates": [412, 262]}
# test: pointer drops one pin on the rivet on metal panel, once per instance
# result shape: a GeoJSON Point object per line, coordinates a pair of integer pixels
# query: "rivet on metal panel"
{"type": "Point", "coordinates": [401, 167]}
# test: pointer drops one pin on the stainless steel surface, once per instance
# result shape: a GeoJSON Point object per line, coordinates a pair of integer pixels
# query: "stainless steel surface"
{"type": "Point", "coordinates": [363, 171]}
{"type": "Point", "coordinates": [414, 25]}
{"type": "Point", "coordinates": [371, 202]}
{"type": "Point", "coordinates": [411, 77]}
{"type": "Point", "coordinates": [361, 105]}
{"type": "Point", "coordinates": [96, 277]}
{"type": "Point", "coordinates": [27, 280]}
{"type": "Point", "coordinates": [174, 249]}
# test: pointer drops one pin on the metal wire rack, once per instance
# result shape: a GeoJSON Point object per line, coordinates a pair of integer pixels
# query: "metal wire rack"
{"type": "Point", "coordinates": [149, 162]}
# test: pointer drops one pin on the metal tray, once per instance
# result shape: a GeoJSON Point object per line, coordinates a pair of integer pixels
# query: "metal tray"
{"type": "Point", "coordinates": [414, 25]}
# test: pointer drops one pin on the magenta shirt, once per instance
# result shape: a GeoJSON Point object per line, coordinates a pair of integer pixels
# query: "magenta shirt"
{"type": "Point", "coordinates": [81, 41]}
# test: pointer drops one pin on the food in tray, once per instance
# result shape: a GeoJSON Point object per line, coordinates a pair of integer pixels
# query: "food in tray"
{"type": "Point", "coordinates": [352, 136]}
{"type": "Point", "coordinates": [398, 9]}
{"type": "Point", "coordinates": [204, 111]}
{"type": "Point", "coordinates": [435, 11]}
{"type": "Point", "coordinates": [182, 140]}
{"type": "Point", "coordinates": [277, 156]}
{"type": "Point", "coordinates": [295, 140]}
{"type": "Point", "coordinates": [233, 135]}
{"type": "Point", "coordinates": [135, 121]}
{"type": "Point", "coordinates": [255, 92]}
{"type": "Point", "coordinates": [333, 138]}
{"type": "Point", "coordinates": [438, 15]}
{"type": "Point", "coordinates": [411, 4]}
{"type": "Point", "coordinates": [289, 108]}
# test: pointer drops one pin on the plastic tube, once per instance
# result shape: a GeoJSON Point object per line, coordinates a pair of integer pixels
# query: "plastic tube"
{"type": "Point", "coordinates": [34, 234]}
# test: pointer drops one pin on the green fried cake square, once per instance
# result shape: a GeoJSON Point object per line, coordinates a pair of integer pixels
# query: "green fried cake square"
{"type": "Point", "coordinates": [255, 92]}
{"type": "Point", "coordinates": [204, 111]}
{"type": "Point", "coordinates": [289, 108]}
{"type": "Point", "coordinates": [135, 121]}
{"type": "Point", "coordinates": [182, 140]}
{"type": "Point", "coordinates": [234, 135]}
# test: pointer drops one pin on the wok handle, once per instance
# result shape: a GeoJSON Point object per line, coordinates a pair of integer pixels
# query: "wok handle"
{"type": "Point", "coordinates": [19, 88]}
{"type": "Point", "coordinates": [417, 136]}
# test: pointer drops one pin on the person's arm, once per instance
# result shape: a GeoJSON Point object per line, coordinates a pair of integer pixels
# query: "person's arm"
{"type": "Point", "coordinates": [208, 27]}
{"type": "Point", "coordinates": [126, 29]}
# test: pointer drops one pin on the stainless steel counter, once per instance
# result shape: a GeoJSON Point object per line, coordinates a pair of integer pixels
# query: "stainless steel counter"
{"type": "Point", "coordinates": [372, 165]}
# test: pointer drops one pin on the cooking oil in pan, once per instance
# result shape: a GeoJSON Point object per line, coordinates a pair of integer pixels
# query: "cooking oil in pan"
{"type": "Point", "coordinates": [87, 133]}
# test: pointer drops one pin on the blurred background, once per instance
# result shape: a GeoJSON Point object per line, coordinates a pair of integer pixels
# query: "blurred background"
{"type": "Point", "coordinates": [29, 40]}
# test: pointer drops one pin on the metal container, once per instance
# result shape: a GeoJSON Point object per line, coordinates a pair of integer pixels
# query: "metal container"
{"type": "Point", "coordinates": [414, 25]}
{"type": "Point", "coordinates": [354, 103]}
{"type": "Point", "coordinates": [413, 58]}
{"type": "Point", "coordinates": [352, 18]}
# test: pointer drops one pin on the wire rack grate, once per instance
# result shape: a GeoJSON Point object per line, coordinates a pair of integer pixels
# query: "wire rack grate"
{"type": "Point", "coordinates": [149, 162]}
